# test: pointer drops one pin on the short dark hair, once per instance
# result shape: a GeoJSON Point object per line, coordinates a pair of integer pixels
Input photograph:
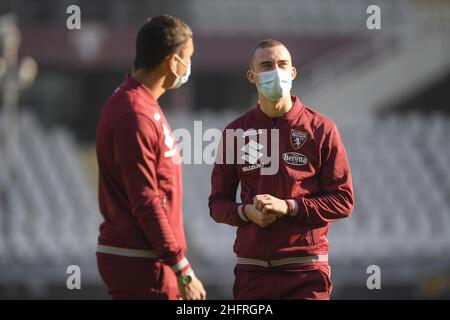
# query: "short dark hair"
{"type": "Point", "coordinates": [159, 37]}
{"type": "Point", "coordinates": [266, 43]}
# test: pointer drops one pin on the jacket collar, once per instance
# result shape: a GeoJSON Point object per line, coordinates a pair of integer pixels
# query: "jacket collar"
{"type": "Point", "coordinates": [292, 114]}
{"type": "Point", "coordinates": [130, 84]}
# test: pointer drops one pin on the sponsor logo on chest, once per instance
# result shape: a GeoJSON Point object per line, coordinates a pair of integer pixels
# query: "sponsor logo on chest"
{"type": "Point", "coordinates": [252, 153]}
{"type": "Point", "coordinates": [295, 158]}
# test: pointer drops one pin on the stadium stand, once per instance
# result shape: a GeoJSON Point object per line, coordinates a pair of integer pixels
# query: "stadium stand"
{"type": "Point", "coordinates": [50, 220]}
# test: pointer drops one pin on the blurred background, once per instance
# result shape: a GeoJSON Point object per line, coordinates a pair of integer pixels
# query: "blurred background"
{"type": "Point", "coordinates": [387, 89]}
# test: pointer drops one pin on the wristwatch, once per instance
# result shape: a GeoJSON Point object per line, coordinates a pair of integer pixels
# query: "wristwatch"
{"type": "Point", "coordinates": [186, 278]}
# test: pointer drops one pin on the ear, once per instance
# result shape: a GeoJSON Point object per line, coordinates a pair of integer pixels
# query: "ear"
{"type": "Point", "coordinates": [251, 77]}
{"type": "Point", "coordinates": [171, 62]}
{"type": "Point", "coordinates": [294, 73]}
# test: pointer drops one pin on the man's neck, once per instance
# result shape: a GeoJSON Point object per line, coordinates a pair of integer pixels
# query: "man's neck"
{"type": "Point", "coordinates": [151, 80]}
{"type": "Point", "coordinates": [275, 109]}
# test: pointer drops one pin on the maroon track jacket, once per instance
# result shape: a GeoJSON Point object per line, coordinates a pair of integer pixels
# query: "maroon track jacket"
{"type": "Point", "coordinates": [140, 187]}
{"type": "Point", "coordinates": [313, 173]}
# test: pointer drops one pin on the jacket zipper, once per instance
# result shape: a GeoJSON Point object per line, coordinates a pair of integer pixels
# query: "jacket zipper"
{"type": "Point", "coordinates": [311, 236]}
{"type": "Point", "coordinates": [274, 126]}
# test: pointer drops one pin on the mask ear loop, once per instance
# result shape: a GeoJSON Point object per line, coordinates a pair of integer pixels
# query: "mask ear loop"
{"type": "Point", "coordinates": [175, 73]}
{"type": "Point", "coordinates": [256, 75]}
{"type": "Point", "coordinates": [183, 63]}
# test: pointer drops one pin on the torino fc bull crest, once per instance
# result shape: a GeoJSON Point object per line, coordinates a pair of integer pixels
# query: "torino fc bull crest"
{"type": "Point", "coordinates": [298, 138]}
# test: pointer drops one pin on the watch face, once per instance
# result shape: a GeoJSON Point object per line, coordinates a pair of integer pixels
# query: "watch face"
{"type": "Point", "coordinates": [187, 279]}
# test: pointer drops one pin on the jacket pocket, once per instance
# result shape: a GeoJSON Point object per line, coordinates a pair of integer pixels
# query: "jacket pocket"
{"type": "Point", "coordinates": [317, 234]}
{"type": "Point", "coordinates": [298, 236]}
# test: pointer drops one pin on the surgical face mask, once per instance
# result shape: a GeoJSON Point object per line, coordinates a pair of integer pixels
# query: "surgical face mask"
{"type": "Point", "coordinates": [275, 84]}
{"type": "Point", "coordinates": [180, 80]}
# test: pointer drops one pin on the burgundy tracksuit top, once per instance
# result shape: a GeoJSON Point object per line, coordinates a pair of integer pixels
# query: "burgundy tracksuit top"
{"type": "Point", "coordinates": [313, 171]}
{"type": "Point", "coordinates": [140, 187]}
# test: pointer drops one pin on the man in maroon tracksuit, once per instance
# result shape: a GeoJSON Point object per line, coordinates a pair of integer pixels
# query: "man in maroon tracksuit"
{"type": "Point", "coordinates": [282, 222]}
{"type": "Point", "coordinates": [141, 247]}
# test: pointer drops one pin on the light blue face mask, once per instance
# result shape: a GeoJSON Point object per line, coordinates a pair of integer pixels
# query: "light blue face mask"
{"type": "Point", "coordinates": [180, 80]}
{"type": "Point", "coordinates": [275, 84]}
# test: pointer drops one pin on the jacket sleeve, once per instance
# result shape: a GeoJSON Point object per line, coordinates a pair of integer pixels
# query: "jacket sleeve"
{"type": "Point", "coordinates": [135, 144]}
{"type": "Point", "coordinates": [336, 199]}
{"type": "Point", "coordinates": [223, 207]}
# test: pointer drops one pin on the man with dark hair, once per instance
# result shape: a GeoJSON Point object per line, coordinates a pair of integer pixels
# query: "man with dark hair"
{"type": "Point", "coordinates": [283, 220]}
{"type": "Point", "coordinates": [141, 247]}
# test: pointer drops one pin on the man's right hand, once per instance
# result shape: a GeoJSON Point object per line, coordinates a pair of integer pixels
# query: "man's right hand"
{"type": "Point", "coordinates": [193, 290]}
{"type": "Point", "coordinates": [260, 218]}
